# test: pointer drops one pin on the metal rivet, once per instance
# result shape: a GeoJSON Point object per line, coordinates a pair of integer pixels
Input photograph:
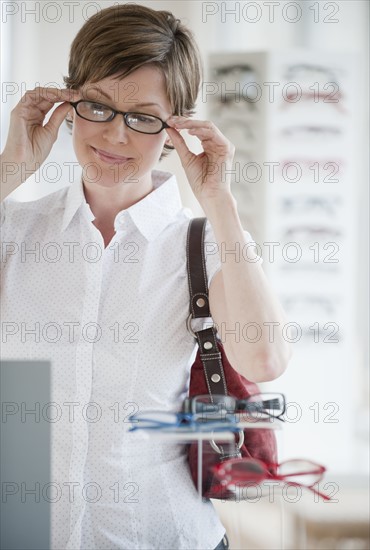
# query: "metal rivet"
{"type": "Point", "coordinates": [208, 345]}
{"type": "Point", "coordinates": [200, 302]}
{"type": "Point", "coordinates": [215, 377]}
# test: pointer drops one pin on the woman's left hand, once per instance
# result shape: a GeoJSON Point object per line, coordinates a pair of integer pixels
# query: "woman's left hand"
{"type": "Point", "coordinates": [209, 172]}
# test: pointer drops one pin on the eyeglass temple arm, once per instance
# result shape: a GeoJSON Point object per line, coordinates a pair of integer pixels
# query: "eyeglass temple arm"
{"type": "Point", "coordinates": [243, 404]}
{"type": "Point", "coordinates": [283, 478]}
{"type": "Point", "coordinates": [322, 495]}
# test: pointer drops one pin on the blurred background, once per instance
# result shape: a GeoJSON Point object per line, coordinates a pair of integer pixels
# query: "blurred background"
{"type": "Point", "coordinates": [287, 83]}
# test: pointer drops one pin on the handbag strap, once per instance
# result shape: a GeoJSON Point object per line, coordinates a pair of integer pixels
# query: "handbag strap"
{"type": "Point", "coordinates": [199, 307]}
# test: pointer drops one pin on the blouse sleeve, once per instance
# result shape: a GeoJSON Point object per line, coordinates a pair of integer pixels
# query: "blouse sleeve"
{"type": "Point", "coordinates": [215, 255]}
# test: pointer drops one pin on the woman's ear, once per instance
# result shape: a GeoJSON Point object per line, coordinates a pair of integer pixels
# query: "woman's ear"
{"type": "Point", "coordinates": [69, 116]}
{"type": "Point", "coordinates": [168, 141]}
{"type": "Point", "coordinates": [69, 120]}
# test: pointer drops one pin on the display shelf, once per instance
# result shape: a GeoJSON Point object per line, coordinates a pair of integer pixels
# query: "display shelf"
{"type": "Point", "coordinates": [183, 436]}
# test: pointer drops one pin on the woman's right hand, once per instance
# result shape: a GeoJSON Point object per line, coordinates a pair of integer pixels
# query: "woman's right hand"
{"type": "Point", "coordinates": [29, 141]}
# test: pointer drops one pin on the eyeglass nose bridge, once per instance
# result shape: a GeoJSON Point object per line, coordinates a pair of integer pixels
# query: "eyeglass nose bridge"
{"type": "Point", "coordinates": [124, 116]}
{"type": "Point", "coordinates": [120, 126]}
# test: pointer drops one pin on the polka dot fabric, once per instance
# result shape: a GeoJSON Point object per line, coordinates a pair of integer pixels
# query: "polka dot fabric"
{"type": "Point", "coordinates": [112, 321]}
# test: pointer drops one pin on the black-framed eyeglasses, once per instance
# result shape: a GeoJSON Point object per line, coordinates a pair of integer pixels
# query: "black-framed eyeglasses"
{"type": "Point", "coordinates": [98, 112]}
{"type": "Point", "coordinates": [214, 407]}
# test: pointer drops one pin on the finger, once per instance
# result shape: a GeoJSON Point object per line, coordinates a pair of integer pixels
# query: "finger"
{"type": "Point", "coordinates": [57, 117]}
{"type": "Point", "coordinates": [52, 95]}
{"type": "Point", "coordinates": [212, 139]}
{"type": "Point", "coordinates": [62, 93]}
{"type": "Point", "coordinates": [32, 113]}
{"type": "Point", "coordinates": [179, 144]}
{"type": "Point", "coordinates": [187, 123]}
{"type": "Point", "coordinates": [203, 133]}
{"type": "Point", "coordinates": [35, 104]}
{"type": "Point", "coordinates": [203, 129]}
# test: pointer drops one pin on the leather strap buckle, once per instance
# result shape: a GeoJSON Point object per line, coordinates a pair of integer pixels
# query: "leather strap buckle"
{"type": "Point", "coordinates": [216, 448]}
{"type": "Point", "coordinates": [189, 327]}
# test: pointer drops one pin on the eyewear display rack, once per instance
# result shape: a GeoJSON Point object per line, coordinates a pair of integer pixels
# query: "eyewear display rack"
{"type": "Point", "coordinates": [183, 436]}
{"type": "Point", "coordinates": [292, 117]}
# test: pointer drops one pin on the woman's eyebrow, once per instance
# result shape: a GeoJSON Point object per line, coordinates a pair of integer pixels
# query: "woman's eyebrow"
{"type": "Point", "coordinates": [147, 104]}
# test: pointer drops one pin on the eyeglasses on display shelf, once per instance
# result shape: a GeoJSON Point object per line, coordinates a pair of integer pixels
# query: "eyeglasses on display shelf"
{"type": "Point", "coordinates": [299, 204]}
{"type": "Point", "coordinates": [310, 132]}
{"type": "Point", "coordinates": [302, 302]}
{"type": "Point", "coordinates": [236, 76]}
{"type": "Point", "coordinates": [167, 421]}
{"type": "Point", "coordinates": [234, 473]}
{"type": "Point", "coordinates": [98, 112]}
{"type": "Point", "coordinates": [235, 69]}
{"type": "Point", "coordinates": [307, 71]}
{"type": "Point", "coordinates": [333, 99]}
{"type": "Point", "coordinates": [303, 232]}
{"type": "Point", "coordinates": [260, 406]}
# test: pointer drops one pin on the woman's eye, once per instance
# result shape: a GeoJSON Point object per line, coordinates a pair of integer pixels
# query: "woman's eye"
{"type": "Point", "coordinates": [98, 108]}
{"type": "Point", "coordinates": [144, 118]}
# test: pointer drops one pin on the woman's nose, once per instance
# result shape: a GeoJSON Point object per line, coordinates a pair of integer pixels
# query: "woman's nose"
{"type": "Point", "coordinates": [116, 131]}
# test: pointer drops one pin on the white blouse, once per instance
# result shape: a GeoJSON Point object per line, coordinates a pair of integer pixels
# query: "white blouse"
{"type": "Point", "coordinates": [112, 321]}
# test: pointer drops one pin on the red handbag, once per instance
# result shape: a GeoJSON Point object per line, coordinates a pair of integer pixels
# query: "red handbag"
{"type": "Point", "coordinates": [211, 373]}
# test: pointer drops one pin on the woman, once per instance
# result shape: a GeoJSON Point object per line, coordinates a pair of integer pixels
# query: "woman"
{"type": "Point", "coordinates": [94, 279]}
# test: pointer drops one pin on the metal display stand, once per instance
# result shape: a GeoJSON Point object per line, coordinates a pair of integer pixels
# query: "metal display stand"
{"type": "Point", "coordinates": [183, 436]}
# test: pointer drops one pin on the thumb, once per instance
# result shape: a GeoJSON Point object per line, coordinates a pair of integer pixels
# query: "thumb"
{"type": "Point", "coordinates": [180, 145]}
{"type": "Point", "coordinates": [57, 117]}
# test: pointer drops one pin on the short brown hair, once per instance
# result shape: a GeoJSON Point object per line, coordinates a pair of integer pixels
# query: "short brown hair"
{"type": "Point", "coordinates": [120, 39]}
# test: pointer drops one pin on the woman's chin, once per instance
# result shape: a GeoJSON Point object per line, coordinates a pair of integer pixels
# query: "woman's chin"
{"type": "Point", "coordinates": [113, 177]}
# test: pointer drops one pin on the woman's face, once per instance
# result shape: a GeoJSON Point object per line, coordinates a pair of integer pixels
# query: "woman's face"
{"type": "Point", "coordinates": [111, 153]}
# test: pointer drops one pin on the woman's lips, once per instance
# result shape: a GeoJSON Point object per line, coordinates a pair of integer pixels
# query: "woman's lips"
{"type": "Point", "coordinates": [109, 158]}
